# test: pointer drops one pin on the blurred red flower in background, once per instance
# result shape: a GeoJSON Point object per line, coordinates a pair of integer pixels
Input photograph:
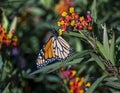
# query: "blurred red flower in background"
{"type": "Point", "coordinates": [7, 38]}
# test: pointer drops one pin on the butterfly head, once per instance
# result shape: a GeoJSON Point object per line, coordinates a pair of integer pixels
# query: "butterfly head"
{"type": "Point", "coordinates": [55, 33]}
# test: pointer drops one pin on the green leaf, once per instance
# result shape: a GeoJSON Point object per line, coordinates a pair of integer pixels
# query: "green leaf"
{"type": "Point", "coordinates": [106, 42]}
{"type": "Point", "coordinates": [5, 22]}
{"type": "Point", "coordinates": [78, 58]}
{"type": "Point", "coordinates": [112, 50]}
{"type": "Point", "coordinates": [98, 61]}
{"type": "Point", "coordinates": [95, 84]}
{"type": "Point", "coordinates": [3, 76]}
{"type": "Point", "coordinates": [113, 90]}
{"type": "Point", "coordinates": [116, 92]}
{"type": "Point", "coordinates": [46, 3]}
{"type": "Point", "coordinates": [118, 40]}
{"type": "Point", "coordinates": [101, 49]}
{"type": "Point", "coordinates": [81, 70]}
{"type": "Point", "coordinates": [53, 78]}
{"type": "Point", "coordinates": [110, 79]}
{"type": "Point", "coordinates": [1, 62]}
{"type": "Point", "coordinates": [53, 67]}
{"type": "Point", "coordinates": [6, 90]}
{"type": "Point", "coordinates": [13, 25]}
{"type": "Point", "coordinates": [46, 68]}
{"type": "Point", "coordinates": [57, 65]}
{"type": "Point", "coordinates": [78, 44]}
{"type": "Point", "coordinates": [76, 34]}
{"type": "Point", "coordinates": [36, 11]}
{"type": "Point", "coordinates": [114, 84]}
{"type": "Point", "coordinates": [66, 64]}
{"type": "Point", "coordinates": [94, 11]}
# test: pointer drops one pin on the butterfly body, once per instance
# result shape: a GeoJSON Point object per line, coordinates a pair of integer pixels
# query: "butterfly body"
{"type": "Point", "coordinates": [55, 50]}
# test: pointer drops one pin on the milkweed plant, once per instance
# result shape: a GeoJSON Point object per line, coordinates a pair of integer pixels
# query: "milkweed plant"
{"type": "Point", "coordinates": [94, 66]}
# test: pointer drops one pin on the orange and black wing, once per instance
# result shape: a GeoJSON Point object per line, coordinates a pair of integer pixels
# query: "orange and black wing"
{"type": "Point", "coordinates": [55, 50]}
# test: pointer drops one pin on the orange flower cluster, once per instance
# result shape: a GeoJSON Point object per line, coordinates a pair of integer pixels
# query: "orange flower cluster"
{"type": "Point", "coordinates": [77, 84]}
{"type": "Point", "coordinates": [7, 38]}
{"type": "Point", "coordinates": [63, 6]}
{"type": "Point", "coordinates": [73, 21]}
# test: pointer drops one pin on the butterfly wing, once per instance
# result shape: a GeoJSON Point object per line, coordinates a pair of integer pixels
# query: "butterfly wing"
{"type": "Point", "coordinates": [56, 49]}
{"type": "Point", "coordinates": [62, 49]}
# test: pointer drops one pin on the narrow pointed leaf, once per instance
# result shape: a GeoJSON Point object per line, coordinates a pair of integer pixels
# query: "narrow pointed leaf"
{"type": "Point", "coordinates": [114, 84]}
{"type": "Point", "coordinates": [6, 90]}
{"type": "Point", "coordinates": [1, 62]}
{"type": "Point", "coordinates": [13, 25]}
{"type": "Point", "coordinates": [98, 61]}
{"type": "Point", "coordinates": [81, 70]}
{"type": "Point", "coordinates": [111, 79]}
{"type": "Point", "coordinates": [78, 56]}
{"type": "Point", "coordinates": [5, 22]}
{"type": "Point", "coordinates": [76, 34]}
{"type": "Point", "coordinates": [101, 49]}
{"type": "Point", "coordinates": [112, 48]}
{"type": "Point", "coordinates": [95, 84]}
{"type": "Point", "coordinates": [94, 11]}
{"type": "Point", "coordinates": [106, 42]}
{"type": "Point", "coordinates": [79, 60]}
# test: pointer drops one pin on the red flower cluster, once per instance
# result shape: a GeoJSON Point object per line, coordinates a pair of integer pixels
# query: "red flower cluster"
{"type": "Point", "coordinates": [73, 21]}
{"type": "Point", "coordinates": [76, 84]}
{"type": "Point", "coordinates": [7, 38]}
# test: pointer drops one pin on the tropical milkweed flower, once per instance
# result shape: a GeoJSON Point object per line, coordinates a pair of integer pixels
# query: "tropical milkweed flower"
{"type": "Point", "coordinates": [7, 38]}
{"type": "Point", "coordinates": [60, 31]}
{"type": "Point", "coordinates": [73, 21]}
{"type": "Point", "coordinates": [71, 10]}
{"type": "Point", "coordinates": [64, 14]}
{"type": "Point", "coordinates": [76, 84]}
{"type": "Point", "coordinates": [69, 73]}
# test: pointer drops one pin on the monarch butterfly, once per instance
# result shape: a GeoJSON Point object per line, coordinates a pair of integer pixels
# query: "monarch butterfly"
{"type": "Point", "coordinates": [55, 50]}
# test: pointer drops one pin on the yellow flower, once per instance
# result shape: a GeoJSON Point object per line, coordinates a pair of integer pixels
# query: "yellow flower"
{"type": "Point", "coordinates": [60, 31]}
{"type": "Point", "coordinates": [74, 73]}
{"type": "Point", "coordinates": [1, 38]}
{"type": "Point", "coordinates": [82, 18]}
{"type": "Point", "coordinates": [77, 79]}
{"type": "Point", "coordinates": [81, 91]}
{"type": "Point", "coordinates": [15, 38]}
{"type": "Point", "coordinates": [72, 23]}
{"type": "Point", "coordinates": [9, 36]}
{"type": "Point", "coordinates": [88, 84]}
{"type": "Point", "coordinates": [62, 22]}
{"type": "Point", "coordinates": [71, 82]}
{"type": "Point", "coordinates": [71, 10]}
{"type": "Point", "coordinates": [64, 14]}
{"type": "Point", "coordinates": [58, 23]}
{"type": "Point", "coordinates": [81, 82]}
{"type": "Point", "coordinates": [71, 91]}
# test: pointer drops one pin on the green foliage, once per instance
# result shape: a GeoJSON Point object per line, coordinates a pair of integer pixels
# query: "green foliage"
{"type": "Point", "coordinates": [95, 84]}
{"type": "Point", "coordinates": [97, 52]}
{"type": "Point", "coordinates": [5, 21]}
{"type": "Point", "coordinates": [13, 25]}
